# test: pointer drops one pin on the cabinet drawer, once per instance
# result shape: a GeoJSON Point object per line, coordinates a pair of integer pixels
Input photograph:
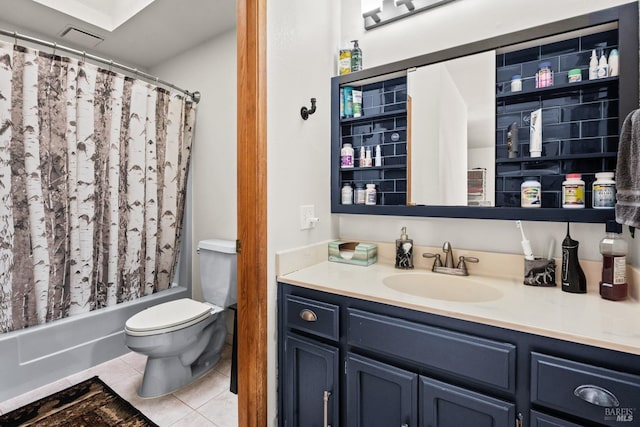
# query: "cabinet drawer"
{"type": "Point", "coordinates": [484, 361]}
{"type": "Point", "coordinates": [590, 392]}
{"type": "Point", "coordinates": [315, 317]}
{"type": "Point", "coordinates": [538, 419]}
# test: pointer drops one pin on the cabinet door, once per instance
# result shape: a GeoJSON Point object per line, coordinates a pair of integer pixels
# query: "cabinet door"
{"type": "Point", "coordinates": [311, 372]}
{"type": "Point", "coordinates": [380, 395]}
{"type": "Point", "coordinates": [444, 405]}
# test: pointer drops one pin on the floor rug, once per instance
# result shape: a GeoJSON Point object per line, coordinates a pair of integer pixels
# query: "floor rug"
{"type": "Point", "coordinates": [90, 403]}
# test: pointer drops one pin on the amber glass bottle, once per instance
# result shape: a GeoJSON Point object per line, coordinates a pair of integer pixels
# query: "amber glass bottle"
{"type": "Point", "coordinates": [614, 265]}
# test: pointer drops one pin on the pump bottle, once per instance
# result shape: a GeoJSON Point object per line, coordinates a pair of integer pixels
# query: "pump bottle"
{"type": "Point", "coordinates": [404, 251]}
{"type": "Point", "coordinates": [573, 279]}
{"type": "Point", "coordinates": [614, 250]}
{"type": "Point", "coordinates": [356, 57]}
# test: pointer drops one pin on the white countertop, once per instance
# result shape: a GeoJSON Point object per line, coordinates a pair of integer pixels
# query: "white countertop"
{"type": "Point", "coordinates": [583, 318]}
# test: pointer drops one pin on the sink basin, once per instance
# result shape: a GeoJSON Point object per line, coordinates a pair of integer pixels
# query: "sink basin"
{"type": "Point", "coordinates": [442, 287]}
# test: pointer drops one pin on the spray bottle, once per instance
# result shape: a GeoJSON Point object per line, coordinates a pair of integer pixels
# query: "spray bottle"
{"type": "Point", "coordinates": [572, 278]}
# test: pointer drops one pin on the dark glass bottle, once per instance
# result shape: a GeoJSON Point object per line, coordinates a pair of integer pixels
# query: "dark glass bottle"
{"type": "Point", "coordinates": [572, 278]}
{"type": "Point", "coordinates": [614, 250]}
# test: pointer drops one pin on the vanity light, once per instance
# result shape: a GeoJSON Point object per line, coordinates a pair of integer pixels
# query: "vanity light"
{"type": "Point", "coordinates": [376, 12]}
{"type": "Point", "coordinates": [371, 9]}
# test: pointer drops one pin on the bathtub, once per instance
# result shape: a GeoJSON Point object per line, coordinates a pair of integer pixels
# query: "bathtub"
{"type": "Point", "coordinates": [33, 357]}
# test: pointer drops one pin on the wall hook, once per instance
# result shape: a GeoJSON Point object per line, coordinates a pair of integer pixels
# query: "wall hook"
{"type": "Point", "coordinates": [305, 113]}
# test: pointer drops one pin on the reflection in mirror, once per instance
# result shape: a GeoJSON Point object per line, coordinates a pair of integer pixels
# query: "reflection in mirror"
{"type": "Point", "coordinates": [452, 132]}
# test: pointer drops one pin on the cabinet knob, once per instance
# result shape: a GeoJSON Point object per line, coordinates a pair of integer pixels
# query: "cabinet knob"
{"type": "Point", "coordinates": [596, 395]}
{"type": "Point", "coordinates": [308, 315]}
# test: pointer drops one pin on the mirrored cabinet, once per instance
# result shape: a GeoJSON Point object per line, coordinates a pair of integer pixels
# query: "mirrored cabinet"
{"type": "Point", "coordinates": [452, 129]}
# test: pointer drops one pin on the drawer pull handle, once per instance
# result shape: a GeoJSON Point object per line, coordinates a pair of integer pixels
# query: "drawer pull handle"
{"type": "Point", "coordinates": [326, 407]}
{"type": "Point", "coordinates": [596, 395]}
{"type": "Point", "coordinates": [308, 315]}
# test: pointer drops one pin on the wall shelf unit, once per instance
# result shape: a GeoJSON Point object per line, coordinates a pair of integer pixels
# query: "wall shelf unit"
{"type": "Point", "coordinates": [580, 120]}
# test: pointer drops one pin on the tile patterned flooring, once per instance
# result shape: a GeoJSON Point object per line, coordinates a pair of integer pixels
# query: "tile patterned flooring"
{"type": "Point", "coordinates": [205, 403]}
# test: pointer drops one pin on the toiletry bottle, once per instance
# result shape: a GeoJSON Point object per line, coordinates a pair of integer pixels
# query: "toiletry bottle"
{"type": "Point", "coordinates": [346, 156]}
{"type": "Point", "coordinates": [368, 161]}
{"type": "Point", "coordinates": [359, 195]}
{"type": "Point", "coordinates": [347, 194]}
{"type": "Point", "coordinates": [404, 251]}
{"type": "Point", "coordinates": [512, 141]}
{"type": "Point", "coordinates": [593, 66]}
{"type": "Point", "coordinates": [371, 195]}
{"type": "Point", "coordinates": [572, 277]}
{"type": "Point", "coordinates": [614, 65]}
{"type": "Point", "coordinates": [378, 158]}
{"type": "Point", "coordinates": [361, 162]}
{"type": "Point", "coordinates": [603, 67]}
{"type": "Point", "coordinates": [614, 265]}
{"type": "Point", "coordinates": [356, 57]}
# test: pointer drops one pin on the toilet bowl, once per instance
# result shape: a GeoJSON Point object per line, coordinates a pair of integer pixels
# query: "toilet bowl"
{"type": "Point", "coordinates": [183, 339]}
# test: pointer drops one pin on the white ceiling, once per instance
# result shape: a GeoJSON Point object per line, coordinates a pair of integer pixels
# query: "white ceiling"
{"type": "Point", "coordinates": [160, 31]}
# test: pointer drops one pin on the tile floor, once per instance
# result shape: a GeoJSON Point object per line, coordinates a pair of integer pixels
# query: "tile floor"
{"type": "Point", "coordinates": [205, 403]}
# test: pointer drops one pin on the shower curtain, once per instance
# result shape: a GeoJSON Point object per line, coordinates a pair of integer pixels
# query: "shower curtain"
{"type": "Point", "coordinates": [93, 169]}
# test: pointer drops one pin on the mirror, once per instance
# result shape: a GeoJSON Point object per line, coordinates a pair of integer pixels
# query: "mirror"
{"type": "Point", "coordinates": [580, 122]}
{"type": "Point", "coordinates": [452, 130]}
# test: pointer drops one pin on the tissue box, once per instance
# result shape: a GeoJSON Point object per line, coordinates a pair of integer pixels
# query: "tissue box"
{"type": "Point", "coordinates": [353, 252]}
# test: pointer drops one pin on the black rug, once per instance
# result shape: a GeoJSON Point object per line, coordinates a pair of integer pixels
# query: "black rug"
{"type": "Point", "coordinates": [90, 403]}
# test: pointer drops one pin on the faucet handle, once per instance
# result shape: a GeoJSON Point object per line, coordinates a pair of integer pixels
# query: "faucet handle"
{"type": "Point", "coordinates": [461, 262]}
{"type": "Point", "coordinates": [462, 259]}
{"type": "Point", "coordinates": [437, 262]}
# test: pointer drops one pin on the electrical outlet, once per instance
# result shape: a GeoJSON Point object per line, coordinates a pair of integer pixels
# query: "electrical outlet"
{"type": "Point", "coordinates": [307, 217]}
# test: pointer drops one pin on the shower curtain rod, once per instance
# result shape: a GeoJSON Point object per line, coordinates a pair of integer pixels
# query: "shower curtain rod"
{"type": "Point", "coordinates": [195, 96]}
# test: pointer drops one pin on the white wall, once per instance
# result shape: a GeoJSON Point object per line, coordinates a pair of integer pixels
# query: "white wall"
{"type": "Point", "coordinates": [301, 39]}
{"type": "Point", "coordinates": [210, 69]}
{"type": "Point", "coordinates": [460, 22]}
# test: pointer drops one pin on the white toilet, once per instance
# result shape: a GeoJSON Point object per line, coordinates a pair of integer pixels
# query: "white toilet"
{"type": "Point", "coordinates": [182, 339]}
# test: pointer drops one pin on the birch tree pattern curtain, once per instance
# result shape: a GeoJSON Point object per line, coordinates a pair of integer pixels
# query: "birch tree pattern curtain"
{"type": "Point", "coordinates": [93, 169]}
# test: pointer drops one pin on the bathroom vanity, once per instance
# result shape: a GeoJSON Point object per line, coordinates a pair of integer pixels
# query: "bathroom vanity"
{"type": "Point", "coordinates": [355, 350]}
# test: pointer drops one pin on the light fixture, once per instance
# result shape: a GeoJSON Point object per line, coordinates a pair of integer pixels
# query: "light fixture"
{"type": "Point", "coordinates": [380, 12]}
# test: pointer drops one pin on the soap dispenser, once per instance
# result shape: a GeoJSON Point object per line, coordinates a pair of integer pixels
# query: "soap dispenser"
{"type": "Point", "coordinates": [404, 251]}
{"type": "Point", "coordinates": [356, 57]}
{"type": "Point", "coordinates": [572, 278]}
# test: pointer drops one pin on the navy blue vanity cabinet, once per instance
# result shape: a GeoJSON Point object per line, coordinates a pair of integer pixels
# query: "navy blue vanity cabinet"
{"type": "Point", "coordinates": [593, 392]}
{"type": "Point", "coordinates": [311, 370]}
{"type": "Point", "coordinates": [309, 364]}
{"type": "Point", "coordinates": [380, 395]}
{"type": "Point", "coordinates": [445, 405]}
{"type": "Point", "coordinates": [391, 366]}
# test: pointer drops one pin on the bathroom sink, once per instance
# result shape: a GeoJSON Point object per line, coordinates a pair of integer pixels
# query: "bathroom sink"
{"type": "Point", "coordinates": [442, 287]}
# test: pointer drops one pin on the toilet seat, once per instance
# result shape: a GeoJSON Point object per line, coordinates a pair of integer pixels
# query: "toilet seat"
{"type": "Point", "coordinates": [169, 316]}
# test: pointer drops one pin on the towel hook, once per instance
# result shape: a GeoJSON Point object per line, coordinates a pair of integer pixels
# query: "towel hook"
{"type": "Point", "coordinates": [305, 112]}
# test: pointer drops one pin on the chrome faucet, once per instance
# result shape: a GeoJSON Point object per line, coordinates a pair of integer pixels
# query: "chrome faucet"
{"type": "Point", "coordinates": [448, 268]}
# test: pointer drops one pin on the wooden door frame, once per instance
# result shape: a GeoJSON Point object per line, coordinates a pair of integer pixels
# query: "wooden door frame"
{"type": "Point", "coordinates": [252, 213]}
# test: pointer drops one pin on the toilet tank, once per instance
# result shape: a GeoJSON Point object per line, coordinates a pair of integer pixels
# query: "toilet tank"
{"type": "Point", "coordinates": [218, 274]}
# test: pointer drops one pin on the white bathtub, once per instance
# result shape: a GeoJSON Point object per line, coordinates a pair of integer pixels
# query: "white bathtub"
{"type": "Point", "coordinates": [33, 357]}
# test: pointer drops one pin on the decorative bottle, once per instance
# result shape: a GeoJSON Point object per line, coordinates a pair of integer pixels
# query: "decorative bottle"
{"type": "Point", "coordinates": [614, 264]}
{"type": "Point", "coordinates": [404, 251]}
{"type": "Point", "coordinates": [572, 278]}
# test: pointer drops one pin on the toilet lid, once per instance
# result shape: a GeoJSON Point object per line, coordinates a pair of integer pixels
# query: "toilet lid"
{"type": "Point", "coordinates": [172, 314]}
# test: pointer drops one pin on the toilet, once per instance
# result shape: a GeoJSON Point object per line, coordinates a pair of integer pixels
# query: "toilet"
{"type": "Point", "coordinates": [182, 339]}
